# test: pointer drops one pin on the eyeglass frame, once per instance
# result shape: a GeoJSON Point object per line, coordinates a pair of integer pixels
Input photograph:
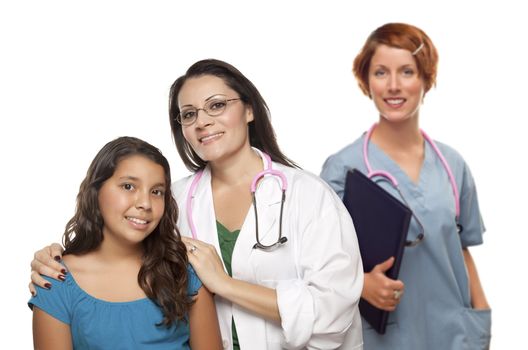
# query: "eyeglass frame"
{"type": "Point", "coordinates": [196, 110]}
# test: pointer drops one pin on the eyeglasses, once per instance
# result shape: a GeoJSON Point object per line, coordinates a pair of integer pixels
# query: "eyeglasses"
{"type": "Point", "coordinates": [213, 108]}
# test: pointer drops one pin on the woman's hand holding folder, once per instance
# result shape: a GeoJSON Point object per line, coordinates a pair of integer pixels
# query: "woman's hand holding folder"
{"type": "Point", "coordinates": [381, 291]}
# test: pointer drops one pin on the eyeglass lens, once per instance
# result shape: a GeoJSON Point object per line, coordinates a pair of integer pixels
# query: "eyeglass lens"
{"type": "Point", "coordinates": [212, 107]}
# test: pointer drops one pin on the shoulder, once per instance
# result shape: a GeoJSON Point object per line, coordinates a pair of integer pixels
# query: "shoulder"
{"type": "Point", "coordinates": [57, 300]}
{"type": "Point", "coordinates": [56, 287]}
{"type": "Point", "coordinates": [299, 177]}
{"type": "Point", "coordinates": [76, 263]}
{"type": "Point", "coordinates": [455, 160]}
{"type": "Point", "coordinates": [449, 152]}
{"type": "Point", "coordinates": [307, 187]}
{"type": "Point", "coordinates": [84, 264]}
{"type": "Point", "coordinates": [347, 154]}
{"type": "Point", "coordinates": [460, 169]}
{"type": "Point", "coordinates": [178, 187]}
{"type": "Point", "coordinates": [193, 281]}
{"type": "Point", "coordinates": [336, 165]}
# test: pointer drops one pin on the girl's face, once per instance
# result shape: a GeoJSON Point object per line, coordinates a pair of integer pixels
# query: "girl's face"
{"type": "Point", "coordinates": [214, 138]}
{"type": "Point", "coordinates": [395, 86]}
{"type": "Point", "coordinates": [132, 201]}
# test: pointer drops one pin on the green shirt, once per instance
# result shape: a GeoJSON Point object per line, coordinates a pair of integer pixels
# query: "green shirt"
{"type": "Point", "coordinates": [227, 240]}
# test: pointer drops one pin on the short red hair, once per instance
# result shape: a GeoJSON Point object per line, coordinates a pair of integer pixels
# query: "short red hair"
{"type": "Point", "coordinates": [401, 36]}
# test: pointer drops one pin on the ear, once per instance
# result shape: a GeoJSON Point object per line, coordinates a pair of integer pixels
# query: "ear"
{"type": "Point", "coordinates": [249, 114]}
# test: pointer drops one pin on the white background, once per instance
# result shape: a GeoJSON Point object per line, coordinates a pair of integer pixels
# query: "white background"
{"type": "Point", "coordinates": [75, 75]}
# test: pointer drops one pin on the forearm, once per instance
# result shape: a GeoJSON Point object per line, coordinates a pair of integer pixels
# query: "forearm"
{"type": "Point", "coordinates": [258, 299]}
{"type": "Point", "coordinates": [478, 298]}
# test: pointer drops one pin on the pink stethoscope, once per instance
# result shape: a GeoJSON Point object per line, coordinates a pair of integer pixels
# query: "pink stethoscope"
{"type": "Point", "coordinates": [384, 175]}
{"type": "Point", "coordinates": [253, 188]}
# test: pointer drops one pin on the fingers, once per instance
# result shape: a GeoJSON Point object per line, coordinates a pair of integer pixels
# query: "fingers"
{"type": "Point", "coordinates": [44, 263]}
{"type": "Point", "coordinates": [193, 260]}
{"type": "Point", "coordinates": [388, 299]}
{"type": "Point", "coordinates": [392, 295]}
{"type": "Point", "coordinates": [48, 252]}
{"type": "Point", "coordinates": [200, 253]}
{"type": "Point", "coordinates": [192, 251]}
{"type": "Point", "coordinates": [384, 266]}
{"type": "Point", "coordinates": [398, 288]}
{"type": "Point", "coordinates": [49, 256]}
{"type": "Point", "coordinates": [49, 267]}
{"type": "Point", "coordinates": [190, 245]}
{"type": "Point", "coordinates": [32, 289]}
{"type": "Point", "coordinates": [397, 285]}
{"type": "Point", "coordinates": [199, 245]}
{"type": "Point", "coordinates": [381, 291]}
{"type": "Point", "coordinates": [56, 251]}
{"type": "Point", "coordinates": [39, 280]}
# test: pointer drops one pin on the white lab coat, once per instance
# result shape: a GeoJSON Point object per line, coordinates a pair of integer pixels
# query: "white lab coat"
{"type": "Point", "coordinates": [317, 273]}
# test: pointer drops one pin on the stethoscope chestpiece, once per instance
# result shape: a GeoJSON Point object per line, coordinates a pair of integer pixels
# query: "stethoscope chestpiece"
{"type": "Point", "coordinates": [269, 248]}
{"type": "Point", "coordinates": [415, 242]}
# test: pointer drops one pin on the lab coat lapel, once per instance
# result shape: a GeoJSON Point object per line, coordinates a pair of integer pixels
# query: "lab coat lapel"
{"type": "Point", "coordinates": [267, 216]}
{"type": "Point", "coordinates": [268, 209]}
{"type": "Point", "coordinates": [268, 197]}
{"type": "Point", "coordinates": [203, 211]}
{"type": "Point", "coordinates": [243, 252]}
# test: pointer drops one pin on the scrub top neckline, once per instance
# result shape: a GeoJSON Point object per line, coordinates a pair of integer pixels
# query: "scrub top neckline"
{"type": "Point", "coordinates": [71, 279]}
{"type": "Point", "coordinates": [234, 232]}
{"type": "Point", "coordinates": [385, 159]}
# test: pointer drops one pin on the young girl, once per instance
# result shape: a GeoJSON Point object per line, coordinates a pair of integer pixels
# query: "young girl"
{"type": "Point", "coordinates": [128, 284]}
{"type": "Point", "coordinates": [284, 263]}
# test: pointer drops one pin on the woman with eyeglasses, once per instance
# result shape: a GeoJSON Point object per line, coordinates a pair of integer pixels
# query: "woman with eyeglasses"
{"type": "Point", "coordinates": [273, 243]}
{"type": "Point", "coordinates": [438, 301]}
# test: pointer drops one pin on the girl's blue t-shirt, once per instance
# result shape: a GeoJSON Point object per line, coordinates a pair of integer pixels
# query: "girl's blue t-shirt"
{"type": "Point", "coordinates": [99, 324]}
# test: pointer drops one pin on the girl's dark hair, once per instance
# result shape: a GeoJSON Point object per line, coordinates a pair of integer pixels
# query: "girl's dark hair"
{"type": "Point", "coordinates": [163, 274]}
{"type": "Point", "coordinates": [261, 133]}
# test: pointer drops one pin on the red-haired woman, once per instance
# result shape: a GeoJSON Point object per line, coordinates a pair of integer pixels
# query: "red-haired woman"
{"type": "Point", "coordinates": [443, 306]}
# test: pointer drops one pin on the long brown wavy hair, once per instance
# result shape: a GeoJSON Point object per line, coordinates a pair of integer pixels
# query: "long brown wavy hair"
{"type": "Point", "coordinates": [163, 273]}
{"type": "Point", "coordinates": [261, 133]}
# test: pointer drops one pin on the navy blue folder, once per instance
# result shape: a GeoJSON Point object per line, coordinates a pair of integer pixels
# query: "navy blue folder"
{"type": "Point", "coordinates": [381, 222]}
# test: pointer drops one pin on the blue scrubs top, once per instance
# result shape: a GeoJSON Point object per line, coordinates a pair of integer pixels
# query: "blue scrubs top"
{"type": "Point", "coordinates": [99, 324]}
{"type": "Point", "coordinates": [435, 310]}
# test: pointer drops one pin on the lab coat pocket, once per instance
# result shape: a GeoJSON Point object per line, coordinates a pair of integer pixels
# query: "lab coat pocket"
{"type": "Point", "coordinates": [274, 333]}
{"type": "Point", "coordinates": [477, 323]}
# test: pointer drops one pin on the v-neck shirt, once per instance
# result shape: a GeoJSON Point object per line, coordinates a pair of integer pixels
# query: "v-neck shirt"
{"type": "Point", "coordinates": [435, 311]}
{"type": "Point", "coordinates": [227, 240]}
